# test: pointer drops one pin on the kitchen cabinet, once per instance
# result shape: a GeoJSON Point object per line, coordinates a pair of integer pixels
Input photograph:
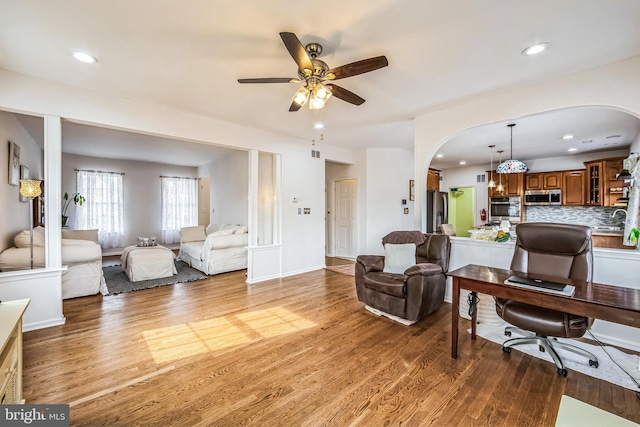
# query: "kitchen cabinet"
{"type": "Point", "coordinates": [433, 180]}
{"type": "Point", "coordinates": [573, 193]}
{"type": "Point", "coordinates": [593, 183]}
{"type": "Point", "coordinates": [543, 181]}
{"type": "Point", "coordinates": [11, 313]}
{"type": "Point", "coordinates": [513, 184]}
{"type": "Point", "coordinates": [612, 188]}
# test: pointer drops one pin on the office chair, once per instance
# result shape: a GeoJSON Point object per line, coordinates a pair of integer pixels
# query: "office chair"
{"type": "Point", "coordinates": [557, 250]}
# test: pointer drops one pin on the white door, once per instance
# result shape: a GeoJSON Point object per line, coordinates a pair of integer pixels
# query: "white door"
{"type": "Point", "coordinates": [346, 231]}
{"type": "Point", "coordinates": [204, 202]}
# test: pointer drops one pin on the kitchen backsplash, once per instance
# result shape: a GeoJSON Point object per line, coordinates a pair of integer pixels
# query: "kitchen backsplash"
{"type": "Point", "coordinates": [592, 215]}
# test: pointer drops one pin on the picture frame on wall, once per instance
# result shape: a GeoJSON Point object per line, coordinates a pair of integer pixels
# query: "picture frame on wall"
{"type": "Point", "coordinates": [412, 189]}
{"type": "Point", "coordinates": [24, 174]}
{"type": "Point", "coordinates": [14, 163]}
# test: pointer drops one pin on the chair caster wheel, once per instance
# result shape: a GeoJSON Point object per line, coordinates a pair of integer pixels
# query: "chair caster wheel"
{"type": "Point", "coordinates": [562, 372]}
{"type": "Point", "coordinates": [506, 350]}
{"type": "Point", "coordinates": [507, 333]}
{"type": "Point", "coordinates": [594, 363]}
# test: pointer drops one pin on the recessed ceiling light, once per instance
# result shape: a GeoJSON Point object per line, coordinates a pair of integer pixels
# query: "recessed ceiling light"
{"type": "Point", "coordinates": [84, 57]}
{"type": "Point", "coordinates": [318, 126]}
{"type": "Point", "coordinates": [462, 162]}
{"type": "Point", "coordinates": [567, 137]}
{"type": "Point", "coordinates": [535, 49]}
{"type": "Point", "coordinates": [439, 156]}
{"type": "Point", "coordinates": [572, 149]}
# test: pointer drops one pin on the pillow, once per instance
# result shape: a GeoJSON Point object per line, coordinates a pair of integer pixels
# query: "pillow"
{"type": "Point", "coordinates": [226, 227]}
{"type": "Point", "coordinates": [222, 233]}
{"type": "Point", "coordinates": [399, 257]}
{"type": "Point", "coordinates": [192, 234]}
{"type": "Point", "coordinates": [91, 235]}
{"type": "Point", "coordinates": [23, 238]}
{"type": "Point", "coordinates": [240, 229]}
{"type": "Point", "coordinates": [211, 228]}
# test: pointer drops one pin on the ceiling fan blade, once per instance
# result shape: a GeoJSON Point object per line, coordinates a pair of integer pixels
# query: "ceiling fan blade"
{"type": "Point", "coordinates": [295, 106]}
{"type": "Point", "coordinates": [270, 80]}
{"type": "Point", "coordinates": [345, 95]}
{"type": "Point", "coordinates": [358, 67]}
{"type": "Point", "coordinates": [297, 51]}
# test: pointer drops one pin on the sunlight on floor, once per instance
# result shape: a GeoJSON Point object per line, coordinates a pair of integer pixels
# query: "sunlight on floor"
{"type": "Point", "coordinates": [175, 342]}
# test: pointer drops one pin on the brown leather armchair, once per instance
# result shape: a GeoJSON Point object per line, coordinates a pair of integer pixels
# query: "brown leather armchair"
{"type": "Point", "coordinates": [556, 250]}
{"type": "Point", "coordinates": [416, 293]}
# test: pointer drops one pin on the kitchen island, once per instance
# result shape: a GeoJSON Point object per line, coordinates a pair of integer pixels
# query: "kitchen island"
{"type": "Point", "coordinates": [618, 267]}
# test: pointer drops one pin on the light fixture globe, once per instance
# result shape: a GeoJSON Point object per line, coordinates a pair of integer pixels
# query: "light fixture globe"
{"type": "Point", "coordinates": [511, 165]}
{"type": "Point", "coordinates": [492, 183]}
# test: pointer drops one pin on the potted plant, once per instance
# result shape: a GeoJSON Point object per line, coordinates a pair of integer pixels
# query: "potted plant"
{"type": "Point", "coordinates": [76, 198]}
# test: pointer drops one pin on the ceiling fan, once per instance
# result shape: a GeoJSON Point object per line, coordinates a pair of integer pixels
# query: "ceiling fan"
{"type": "Point", "coordinates": [315, 73]}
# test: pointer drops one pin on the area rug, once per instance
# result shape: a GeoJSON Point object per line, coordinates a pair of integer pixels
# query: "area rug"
{"type": "Point", "coordinates": [117, 281]}
{"type": "Point", "coordinates": [607, 370]}
{"type": "Point", "coordinates": [348, 269]}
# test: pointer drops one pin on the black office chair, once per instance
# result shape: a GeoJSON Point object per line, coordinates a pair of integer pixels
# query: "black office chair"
{"type": "Point", "coordinates": [557, 250]}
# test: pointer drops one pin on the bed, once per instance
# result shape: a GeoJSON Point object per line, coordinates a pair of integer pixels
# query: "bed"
{"type": "Point", "coordinates": [216, 249]}
{"type": "Point", "coordinates": [82, 257]}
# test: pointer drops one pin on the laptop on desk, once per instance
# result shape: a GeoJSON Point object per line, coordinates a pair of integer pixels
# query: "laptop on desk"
{"type": "Point", "coordinates": [541, 285]}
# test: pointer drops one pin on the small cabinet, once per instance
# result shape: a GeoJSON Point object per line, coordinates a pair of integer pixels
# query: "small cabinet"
{"type": "Point", "coordinates": [613, 190]}
{"type": "Point", "coordinates": [433, 180]}
{"type": "Point", "coordinates": [513, 184]}
{"type": "Point", "coordinates": [573, 188]}
{"type": "Point", "coordinates": [543, 181]}
{"type": "Point", "coordinates": [593, 180]}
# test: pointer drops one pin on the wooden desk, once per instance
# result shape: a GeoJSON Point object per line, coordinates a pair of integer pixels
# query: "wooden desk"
{"type": "Point", "coordinates": [605, 302]}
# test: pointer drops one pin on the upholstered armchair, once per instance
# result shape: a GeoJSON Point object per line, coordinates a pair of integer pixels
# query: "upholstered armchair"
{"type": "Point", "coordinates": [411, 291]}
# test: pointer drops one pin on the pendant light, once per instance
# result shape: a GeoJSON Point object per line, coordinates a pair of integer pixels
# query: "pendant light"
{"type": "Point", "coordinates": [492, 183]}
{"type": "Point", "coordinates": [511, 165]}
{"type": "Point", "coordinates": [500, 188]}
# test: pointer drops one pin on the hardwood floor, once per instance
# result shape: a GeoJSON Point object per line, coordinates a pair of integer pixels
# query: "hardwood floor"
{"type": "Point", "coordinates": [300, 351]}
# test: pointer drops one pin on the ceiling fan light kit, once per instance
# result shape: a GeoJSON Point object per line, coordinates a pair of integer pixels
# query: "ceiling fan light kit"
{"type": "Point", "coordinates": [511, 165]}
{"type": "Point", "coordinates": [315, 73]}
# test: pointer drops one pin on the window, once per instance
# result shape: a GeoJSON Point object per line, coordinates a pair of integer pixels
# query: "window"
{"type": "Point", "coordinates": [179, 206]}
{"type": "Point", "coordinates": [103, 208]}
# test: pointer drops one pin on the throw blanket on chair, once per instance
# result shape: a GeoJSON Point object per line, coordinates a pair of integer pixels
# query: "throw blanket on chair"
{"type": "Point", "coordinates": [412, 236]}
{"type": "Point", "coordinates": [125, 253]}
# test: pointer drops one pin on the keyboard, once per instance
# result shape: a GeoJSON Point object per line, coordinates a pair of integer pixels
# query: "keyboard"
{"type": "Point", "coordinates": [539, 283]}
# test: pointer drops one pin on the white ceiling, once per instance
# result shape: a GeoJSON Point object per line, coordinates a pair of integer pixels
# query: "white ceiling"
{"type": "Point", "coordinates": [190, 54]}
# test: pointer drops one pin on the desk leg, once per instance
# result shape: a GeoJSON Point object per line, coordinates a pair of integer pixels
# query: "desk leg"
{"type": "Point", "coordinates": [473, 308]}
{"type": "Point", "coordinates": [455, 307]}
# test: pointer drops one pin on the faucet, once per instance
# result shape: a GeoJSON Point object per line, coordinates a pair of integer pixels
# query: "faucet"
{"type": "Point", "coordinates": [616, 211]}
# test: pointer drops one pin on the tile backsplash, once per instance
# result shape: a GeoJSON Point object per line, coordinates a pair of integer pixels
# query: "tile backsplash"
{"type": "Point", "coordinates": [591, 215]}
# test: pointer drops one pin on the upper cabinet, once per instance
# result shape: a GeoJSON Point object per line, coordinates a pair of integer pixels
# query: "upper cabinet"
{"type": "Point", "coordinates": [433, 180]}
{"type": "Point", "coordinates": [543, 181]}
{"type": "Point", "coordinates": [513, 184]}
{"type": "Point", "coordinates": [573, 188]}
{"type": "Point", "coordinates": [613, 189]}
{"type": "Point", "coordinates": [594, 179]}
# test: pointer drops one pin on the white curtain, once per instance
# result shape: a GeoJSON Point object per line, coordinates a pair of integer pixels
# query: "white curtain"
{"type": "Point", "coordinates": [104, 206]}
{"type": "Point", "coordinates": [179, 206]}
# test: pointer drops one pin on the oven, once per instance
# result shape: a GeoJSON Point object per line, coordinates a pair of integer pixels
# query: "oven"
{"type": "Point", "coordinates": [504, 208]}
{"type": "Point", "coordinates": [543, 198]}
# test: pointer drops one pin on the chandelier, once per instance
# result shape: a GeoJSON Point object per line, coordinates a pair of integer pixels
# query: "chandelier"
{"type": "Point", "coordinates": [511, 165]}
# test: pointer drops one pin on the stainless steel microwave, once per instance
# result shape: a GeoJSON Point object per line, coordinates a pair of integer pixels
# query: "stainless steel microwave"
{"type": "Point", "coordinates": [504, 208]}
{"type": "Point", "coordinates": [543, 198]}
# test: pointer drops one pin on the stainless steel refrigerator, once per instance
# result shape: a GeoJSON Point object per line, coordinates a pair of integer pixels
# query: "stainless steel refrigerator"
{"type": "Point", "coordinates": [437, 210]}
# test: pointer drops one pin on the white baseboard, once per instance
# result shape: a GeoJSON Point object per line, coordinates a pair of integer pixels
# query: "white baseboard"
{"type": "Point", "coordinates": [26, 327]}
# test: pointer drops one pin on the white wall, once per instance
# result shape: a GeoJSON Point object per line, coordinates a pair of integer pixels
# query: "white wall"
{"type": "Point", "coordinates": [15, 214]}
{"type": "Point", "coordinates": [142, 190]}
{"type": "Point", "coordinates": [229, 183]}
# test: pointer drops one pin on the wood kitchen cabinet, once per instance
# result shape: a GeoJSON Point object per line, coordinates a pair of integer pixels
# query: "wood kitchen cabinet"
{"type": "Point", "coordinates": [543, 181]}
{"type": "Point", "coordinates": [573, 193]}
{"type": "Point", "coordinates": [593, 183]}
{"type": "Point", "coordinates": [433, 180]}
{"type": "Point", "coordinates": [513, 184]}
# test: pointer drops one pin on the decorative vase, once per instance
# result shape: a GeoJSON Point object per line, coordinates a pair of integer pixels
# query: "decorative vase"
{"type": "Point", "coordinates": [65, 221]}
